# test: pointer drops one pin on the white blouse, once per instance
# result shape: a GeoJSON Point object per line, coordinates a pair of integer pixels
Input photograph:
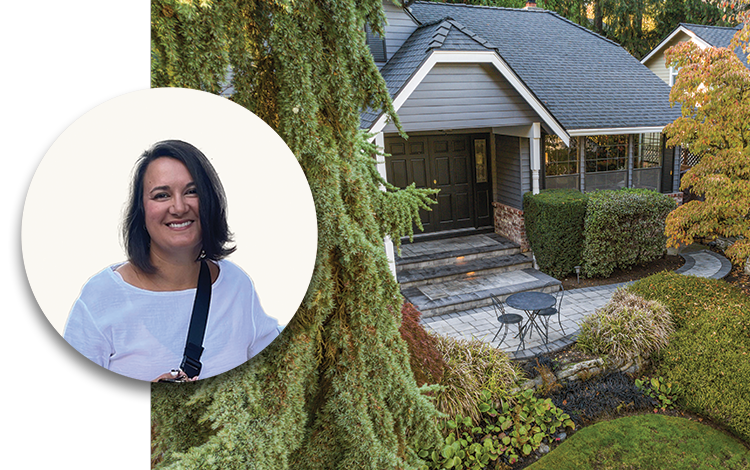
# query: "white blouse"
{"type": "Point", "coordinates": [141, 334]}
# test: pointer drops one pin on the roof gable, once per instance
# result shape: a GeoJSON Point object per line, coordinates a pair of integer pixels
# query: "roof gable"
{"type": "Point", "coordinates": [585, 80]}
{"type": "Point", "coordinates": [704, 36]}
{"type": "Point", "coordinates": [437, 41]}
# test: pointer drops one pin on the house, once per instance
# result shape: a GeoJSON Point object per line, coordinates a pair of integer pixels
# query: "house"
{"type": "Point", "coordinates": [702, 36]}
{"type": "Point", "coordinates": [501, 101]}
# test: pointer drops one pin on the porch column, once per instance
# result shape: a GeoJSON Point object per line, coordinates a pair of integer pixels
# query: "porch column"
{"type": "Point", "coordinates": [631, 147]}
{"type": "Point", "coordinates": [536, 152]}
{"type": "Point", "coordinates": [582, 163]}
{"type": "Point", "coordinates": [389, 251]}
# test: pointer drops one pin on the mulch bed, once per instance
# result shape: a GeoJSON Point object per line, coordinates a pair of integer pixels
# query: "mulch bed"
{"type": "Point", "coordinates": [667, 263]}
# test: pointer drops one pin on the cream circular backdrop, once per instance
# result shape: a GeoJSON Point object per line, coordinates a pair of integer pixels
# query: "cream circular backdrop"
{"type": "Point", "coordinates": [72, 217]}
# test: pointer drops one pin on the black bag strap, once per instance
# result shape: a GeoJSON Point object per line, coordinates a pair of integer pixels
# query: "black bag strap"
{"type": "Point", "coordinates": [191, 361]}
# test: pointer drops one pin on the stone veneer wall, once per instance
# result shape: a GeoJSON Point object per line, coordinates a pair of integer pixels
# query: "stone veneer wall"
{"type": "Point", "coordinates": [509, 223]}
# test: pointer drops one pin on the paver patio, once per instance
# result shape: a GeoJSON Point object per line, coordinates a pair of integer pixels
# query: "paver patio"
{"type": "Point", "coordinates": [481, 323]}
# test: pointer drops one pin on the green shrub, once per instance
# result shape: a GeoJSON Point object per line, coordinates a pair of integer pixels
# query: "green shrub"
{"type": "Point", "coordinates": [708, 355]}
{"type": "Point", "coordinates": [554, 226]}
{"type": "Point", "coordinates": [627, 327]}
{"type": "Point", "coordinates": [471, 367]}
{"type": "Point", "coordinates": [623, 228]}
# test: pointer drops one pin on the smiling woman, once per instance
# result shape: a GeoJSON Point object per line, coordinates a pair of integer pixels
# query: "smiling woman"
{"type": "Point", "coordinates": [134, 318]}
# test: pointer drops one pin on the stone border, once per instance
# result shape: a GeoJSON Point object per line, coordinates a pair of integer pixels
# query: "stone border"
{"type": "Point", "coordinates": [584, 370]}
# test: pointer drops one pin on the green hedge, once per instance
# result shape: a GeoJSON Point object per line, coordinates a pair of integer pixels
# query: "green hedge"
{"type": "Point", "coordinates": [623, 228]}
{"type": "Point", "coordinates": [708, 356]}
{"type": "Point", "coordinates": [554, 226]}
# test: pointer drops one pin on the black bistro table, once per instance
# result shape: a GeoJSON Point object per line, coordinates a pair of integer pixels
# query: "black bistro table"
{"type": "Point", "coordinates": [531, 303]}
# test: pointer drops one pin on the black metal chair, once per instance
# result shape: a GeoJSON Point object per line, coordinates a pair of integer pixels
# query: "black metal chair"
{"type": "Point", "coordinates": [549, 312]}
{"type": "Point", "coordinates": [506, 319]}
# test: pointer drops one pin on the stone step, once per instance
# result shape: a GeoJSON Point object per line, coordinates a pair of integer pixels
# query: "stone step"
{"type": "Point", "coordinates": [475, 291]}
{"type": "Point", "coordinates": [463, 268]}
{"type": "Point", "coordinates": [454, 250]}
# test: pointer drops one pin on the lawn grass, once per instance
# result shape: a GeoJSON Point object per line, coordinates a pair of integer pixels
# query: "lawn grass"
{"type": "Point", "coordinates": [644, 442]}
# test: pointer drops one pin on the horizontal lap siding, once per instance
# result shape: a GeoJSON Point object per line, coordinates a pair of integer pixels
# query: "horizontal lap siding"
{"type": "Point", "coordinates": [657, 64]}
{"type": "Point", "coordinates": [507, 170]}
{"type": "Point", "coordinates": [455, 96]}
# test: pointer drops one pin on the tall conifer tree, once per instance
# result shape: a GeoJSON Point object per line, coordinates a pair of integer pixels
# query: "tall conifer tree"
{"type": "Point", "coordinates": [335, 389]}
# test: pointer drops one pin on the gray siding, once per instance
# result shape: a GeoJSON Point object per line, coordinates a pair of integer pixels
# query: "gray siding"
{"type": "Point", "coordinates": [525, 155]}
{"type": "Point", "coordinates": [461, 96]}
{"type": "Point", "coordinates": [507, 186]}
{"type": "Point", "coordinates": [399, 28]}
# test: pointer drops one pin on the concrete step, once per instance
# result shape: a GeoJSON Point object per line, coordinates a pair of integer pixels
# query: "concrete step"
{"type": "Point", "coordinates": [475, 291]}
{"type": "Point", "coordinates": [454, 250]}
{"type": "Point", "coordinates": [463, 268]}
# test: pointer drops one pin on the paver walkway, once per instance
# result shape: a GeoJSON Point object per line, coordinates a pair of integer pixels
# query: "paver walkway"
{"type": "Point", "coordinates": [481, 323]}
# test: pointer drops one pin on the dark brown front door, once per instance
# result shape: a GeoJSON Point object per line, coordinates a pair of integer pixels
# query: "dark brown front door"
{"type": "Point", "coordinates": [441, 162]}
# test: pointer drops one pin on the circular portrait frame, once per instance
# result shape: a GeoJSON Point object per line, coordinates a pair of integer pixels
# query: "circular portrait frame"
{"type": "Point", "coordinates": [73, 214]}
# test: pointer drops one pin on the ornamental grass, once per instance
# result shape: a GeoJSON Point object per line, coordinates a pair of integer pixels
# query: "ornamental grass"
{"type": "Point", "coordinates": [471, 367]}
{"type": "Point", "coordinates": [628, 327]}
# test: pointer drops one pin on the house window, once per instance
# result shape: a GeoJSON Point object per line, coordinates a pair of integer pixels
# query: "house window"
{"type": "Point", "coordinates": [560, 163]}
{"type": "Point", "coordinates": [606, 153]}
{"type": "Point", "coordinates": [560, 160]}
{"type": "Point", "coordinates": [376, 45]}
{"type": "Point", "coordinates": [480, 155]}
{"type": "Point", "coordinates": [673, 75]}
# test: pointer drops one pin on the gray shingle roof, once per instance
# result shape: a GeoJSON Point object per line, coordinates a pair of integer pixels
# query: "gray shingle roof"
{"type": "Point", "coordinates": [585, 80]}
{"type": "Point", "coordinates": [717, 36]}
{"type": "Point", "coordinates": [443, 34]}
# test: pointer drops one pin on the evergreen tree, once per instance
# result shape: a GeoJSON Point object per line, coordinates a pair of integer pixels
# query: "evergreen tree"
{"type": "Point", "coordinates": [335, 390]}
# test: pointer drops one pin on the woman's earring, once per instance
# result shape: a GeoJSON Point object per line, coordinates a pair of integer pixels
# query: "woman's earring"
{"type": "Point", "coordinates": [203, 254]}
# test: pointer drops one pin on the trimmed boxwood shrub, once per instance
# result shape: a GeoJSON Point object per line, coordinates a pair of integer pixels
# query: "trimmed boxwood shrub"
{"type": "Point", "coordinates": [554, 226]}
{"type": "Point", "coordinates": [623, 228]}
{"type": "Point", "coordinates": [708, 356]}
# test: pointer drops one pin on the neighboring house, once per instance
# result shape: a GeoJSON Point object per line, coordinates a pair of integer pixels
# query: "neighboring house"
{"type": "Point", "coordinates": [499, 101]}
{"type": "Point", "coordinates": [702, 36]}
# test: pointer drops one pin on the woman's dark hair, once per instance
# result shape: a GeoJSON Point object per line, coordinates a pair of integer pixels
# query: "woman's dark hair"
{"type": "Point", "coordinates": [212, 204]}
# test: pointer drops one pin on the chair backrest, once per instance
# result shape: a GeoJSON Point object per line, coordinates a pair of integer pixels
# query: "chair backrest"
{"type": "Point", "coordinates": [560, 297]}
{"type": "Point", "coordinates": [498, 306]}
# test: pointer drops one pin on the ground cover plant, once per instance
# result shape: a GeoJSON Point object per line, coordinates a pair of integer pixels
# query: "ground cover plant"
{"type": "Point", "coordinates": [708, 356]}
{"type": "Point", "coordinates": [648, 442]}
{"type": "Point", "coordinates": [508, 431]}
